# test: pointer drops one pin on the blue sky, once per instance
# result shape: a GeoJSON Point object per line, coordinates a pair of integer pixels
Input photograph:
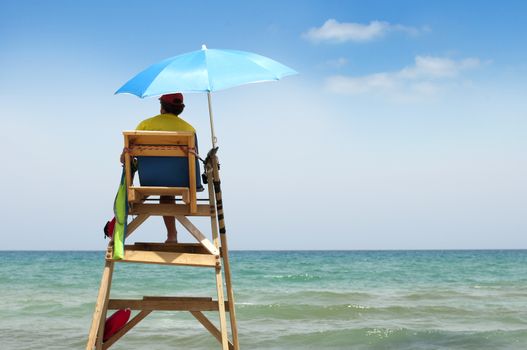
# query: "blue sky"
{"type": "Point", "coordinates": [405, 128]}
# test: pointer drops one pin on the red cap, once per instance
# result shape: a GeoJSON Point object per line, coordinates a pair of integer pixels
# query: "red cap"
{"type": "Point", "coordinates": [172, 99]}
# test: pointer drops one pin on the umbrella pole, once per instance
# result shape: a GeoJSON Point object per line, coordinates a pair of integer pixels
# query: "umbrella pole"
{"type": "Point", "coordinates": [213, 134]}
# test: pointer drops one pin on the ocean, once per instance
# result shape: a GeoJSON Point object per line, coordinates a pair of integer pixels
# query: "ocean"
{"type": "Point", "coordinates": [284, 300]}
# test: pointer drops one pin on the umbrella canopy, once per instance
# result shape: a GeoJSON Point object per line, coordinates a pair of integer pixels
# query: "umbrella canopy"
{"type": "Point", "coordinates": [205, 70]}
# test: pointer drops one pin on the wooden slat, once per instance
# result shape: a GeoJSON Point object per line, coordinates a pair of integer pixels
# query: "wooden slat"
{"type": "Point", "coordinates": [164, 305]}
{"type": "Point", "coordinates": [144, 137]}
{"type": "Point", "coordinates": [145, 191]}
{"type": "Point", "coordinates": [150, 132]}
{"type": "Point", "coordinates": [160, 190]}
{"type": "Point", "coordinates": [209, 326]}
{"type": "Point", "coordinates": [191, 248]}
{"type": "Point", "coordinates": [132, 323]}
{"type": "Point", "coordinates": [194, 231]}
{"type": "Point", "coordinates": [155, 138]}
{"type": "Point", "coordinates": [168, 258]}
{"type": "Point", "coordinates": [168, 209]}
{"type": "Point", "coordinates": [158, 298]}
{"type": "Point", "coordinates": [180, 152]}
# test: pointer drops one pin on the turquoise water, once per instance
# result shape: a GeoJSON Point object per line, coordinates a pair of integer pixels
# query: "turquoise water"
{"type": "Point", "coordinates": [285, 300]}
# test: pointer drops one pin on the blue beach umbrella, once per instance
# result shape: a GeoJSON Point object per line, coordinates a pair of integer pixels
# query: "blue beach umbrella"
{"type": "Point", "coordinates": [205, 70]}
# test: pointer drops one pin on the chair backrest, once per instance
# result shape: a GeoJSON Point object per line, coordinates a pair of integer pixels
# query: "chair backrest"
{"type": "Point", "coordinates": [167, 164]}
{"type": "Point", "coordinates": [166, 171]}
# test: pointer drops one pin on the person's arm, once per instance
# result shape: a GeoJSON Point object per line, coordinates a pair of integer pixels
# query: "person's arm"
{"type": "Point", "coordinates": [122, 156]}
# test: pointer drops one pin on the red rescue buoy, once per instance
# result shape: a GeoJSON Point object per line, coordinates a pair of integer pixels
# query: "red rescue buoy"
{"type": "Point", "coordinates": [115, 322]}
{"type": "Point", "coordinates": [109, 228]}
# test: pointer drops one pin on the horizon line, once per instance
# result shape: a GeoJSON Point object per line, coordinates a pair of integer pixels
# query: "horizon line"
{"type": "Point", "coordinates": [293, 250]}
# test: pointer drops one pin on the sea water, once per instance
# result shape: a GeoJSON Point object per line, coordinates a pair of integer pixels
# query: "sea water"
{"type": "Point", "coordinates": [284, 300]}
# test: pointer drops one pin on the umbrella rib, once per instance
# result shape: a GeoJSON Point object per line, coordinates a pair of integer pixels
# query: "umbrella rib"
{"type": "Point", "coordinates": [206, 70]}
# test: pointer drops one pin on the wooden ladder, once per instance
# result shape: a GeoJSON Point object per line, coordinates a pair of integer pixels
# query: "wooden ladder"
{"type": "Point", "coordinates": [206, 253]}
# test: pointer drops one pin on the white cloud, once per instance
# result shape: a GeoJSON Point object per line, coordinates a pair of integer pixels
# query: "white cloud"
{"type": "Point", "coordinates": [350, 85]}
{"type": "Point", "coordinates": [337, 63]}
{"type": "Point", "coordinates": [334, 31]}
{"type": "Point", "coordinates": [437, 67]}
{"type": "Point", "coordinates": [422, 78]}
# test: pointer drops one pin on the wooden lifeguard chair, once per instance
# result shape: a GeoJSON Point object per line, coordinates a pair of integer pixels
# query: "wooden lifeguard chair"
{"type": "Point", "coordinates": [206, 253]}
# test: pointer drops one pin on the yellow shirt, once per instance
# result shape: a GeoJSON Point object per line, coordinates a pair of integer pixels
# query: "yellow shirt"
{"type": "Point", "coordinates": [165, 122]}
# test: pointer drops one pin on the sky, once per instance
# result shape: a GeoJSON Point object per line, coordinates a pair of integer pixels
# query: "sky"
{"type": "Point", "coordinates": [404, 129]}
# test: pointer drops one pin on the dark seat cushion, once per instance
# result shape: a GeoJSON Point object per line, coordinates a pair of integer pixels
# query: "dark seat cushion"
{"type": "Point", "coordinates": [166, 171]}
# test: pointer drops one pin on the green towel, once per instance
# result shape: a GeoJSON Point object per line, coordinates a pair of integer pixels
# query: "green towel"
{"type": "Point", "coordinates": [120, 209]}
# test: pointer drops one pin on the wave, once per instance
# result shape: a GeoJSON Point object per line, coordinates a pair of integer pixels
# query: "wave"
{"type": "Point", "coordinates": [301, 277]}
{"type": "Point", "coordinates": [434, 316]}
{"type": "Point", "coordinates": [395, 338]}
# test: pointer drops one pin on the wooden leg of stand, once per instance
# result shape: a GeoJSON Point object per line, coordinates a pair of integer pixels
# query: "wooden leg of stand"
{"type": "Point", "coordinates": [221, 309]}
{"type": "Point", "coordinates": [230, 293]}
{"type": "Point", "coordinates": [100, 333]}
{"type": "Point", "coordinates": [224, 248]}
{"type": "Point", "coordinates": [222, 335]}
{"type": "Point", "coordinates": [99, 315]}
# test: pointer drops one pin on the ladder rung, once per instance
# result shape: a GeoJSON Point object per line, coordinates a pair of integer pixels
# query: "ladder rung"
{"type": "Point", "coordinates": [169, 258]}
{"type": "Point", "coordinates": [175, 199]}
{"type": "Point", "coordinates": [168, 209]}
{"type": "Point", "coordinates": [166, 304]}
{"type": "Point", "coordinates": [193, 248]}
{"type": "Point", "coordinates": [158, 298]}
